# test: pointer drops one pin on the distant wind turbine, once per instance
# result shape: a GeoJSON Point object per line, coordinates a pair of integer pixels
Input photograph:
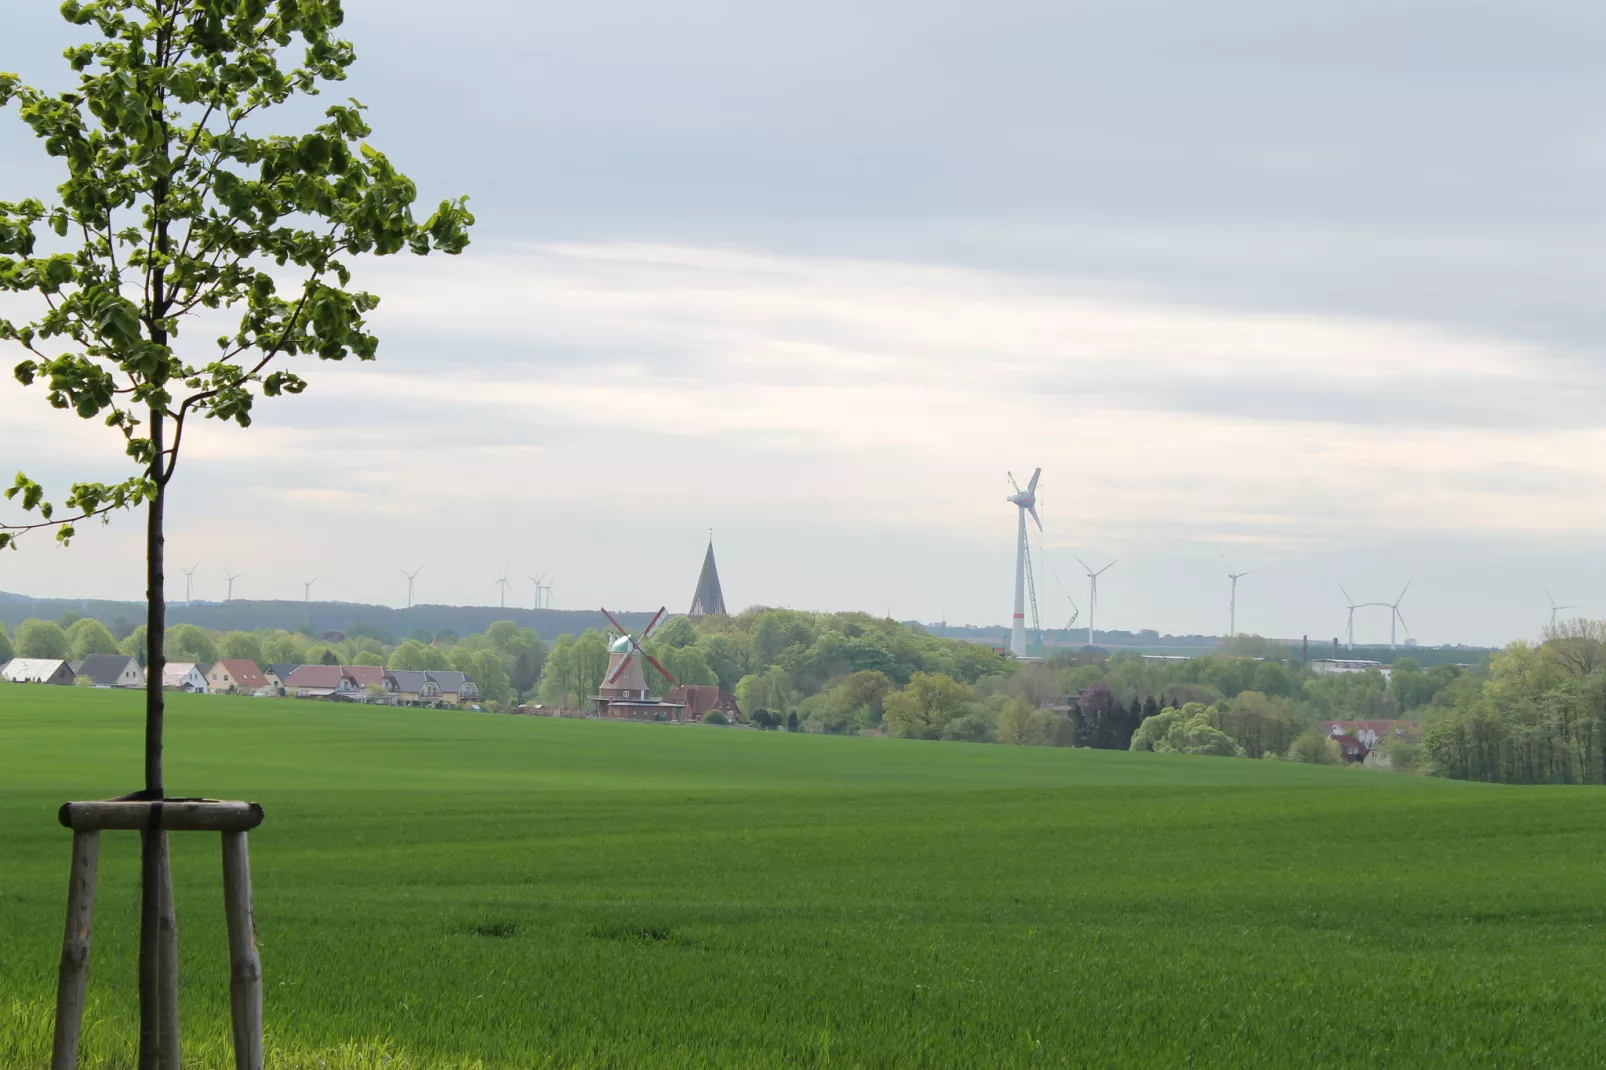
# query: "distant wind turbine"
{"type": "Point", "coordinates": [1092, 593]}
{"type": "Point", "coordinates": [503, 584]}
{"type": "Point", "coordinates": [189, 576]}
{"type": "Point", "coordinates": [1025, 501]}
{"type": "Point", "coordinates": [411, 576]}
{"type": "Point", "coordinates": [1232, 602]}
{"type": "Point", "coordinates": [537, 581]}
{"type": "Point", "coordinates": [1396, 617]}
{"type": "Point", "coordinates": [1554, 608]}
{"type": "Point", "coordinates": [306, 589]}
{"type": "Point", "coordinates": [231, 577]}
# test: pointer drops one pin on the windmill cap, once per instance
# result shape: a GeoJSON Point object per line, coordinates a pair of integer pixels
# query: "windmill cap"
{"type": "Point", "coordinates": [620, 645]}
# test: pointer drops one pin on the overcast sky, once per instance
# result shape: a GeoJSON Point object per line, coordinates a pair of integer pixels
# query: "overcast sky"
{"type": "Point", "coordinates": [1314, 285]}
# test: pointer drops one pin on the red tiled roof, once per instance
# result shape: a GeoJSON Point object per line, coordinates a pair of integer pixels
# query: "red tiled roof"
{"type": "Point", "coordinates": [245, 673]}
{"type": "Point", "coordinates": [315, 676]}
{"type": "Point", "coordinates": [363, 675]}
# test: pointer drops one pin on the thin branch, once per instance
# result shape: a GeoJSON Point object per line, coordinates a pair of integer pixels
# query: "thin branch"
{"type": "Point", "coordinates": [62, 521]}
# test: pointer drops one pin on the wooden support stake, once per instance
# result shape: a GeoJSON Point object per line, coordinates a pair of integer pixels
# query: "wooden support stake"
{"type": "Point", "coordinates": [245, 968]}
{"type": "Point", "coordinates": [168, 965]}
{"type": "Point", "coordinates": [150, 953]}
{"type": "Point", "coordinates": [74, 974]}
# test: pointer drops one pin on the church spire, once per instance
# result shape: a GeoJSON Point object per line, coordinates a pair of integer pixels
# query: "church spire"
{"type": "Point", "coordinates": [709, 598]}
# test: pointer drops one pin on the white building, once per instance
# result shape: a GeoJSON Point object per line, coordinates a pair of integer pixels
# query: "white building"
{"type": "Point", "coordinates": [37, 671]}
{"type": "Point", "coordinates": [1335, 666]}
{"type": "Point", "coordinates": [183, 676]}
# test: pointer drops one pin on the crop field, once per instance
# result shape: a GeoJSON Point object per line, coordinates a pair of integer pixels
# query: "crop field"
{"type": "Point", "coordinates": [441, 889]}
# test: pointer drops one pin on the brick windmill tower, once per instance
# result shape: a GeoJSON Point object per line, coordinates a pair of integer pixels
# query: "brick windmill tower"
{"type": "Point", "coordinates": [709, 598]}
{"type": "Point", "coordinates": [624, 691]}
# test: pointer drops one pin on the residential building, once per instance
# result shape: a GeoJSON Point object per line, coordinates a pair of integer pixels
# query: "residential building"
{"type": "Point", "coordinates": [183, 676]}
{"type": "Point", "coordinates": [1352, 749]}
{"type": "Point", "coordinates": [277, 674]}
{"type": "Point", "coordinates": [365, 676]}
{"type": "Point", "coordinates": [456, 687]}
{"type": "Point", "coordinates": [702, 698]}
{"type": "Point", "coordinates": [320, 681]}
{"type": "Point", "coordinates": [235, 676]}
{"type": "Point", "coordinates": [1369, 732]}
{"type": "Point", "coordinates": [412, 687]}
{"type": "Point", "coordinates": [112, 670]}
{"type": "Point", "coordinates": [37, 671]}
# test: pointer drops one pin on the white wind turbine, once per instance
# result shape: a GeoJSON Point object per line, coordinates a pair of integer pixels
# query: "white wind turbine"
{"type": "Point", "coordinates": [1025, 501]}
{"type": "Point", "coordinates": [1554, 608]}
{"type": "Point", "coordinates": [189, 576]}
{"type": "Point", "coordinates": [411, 576]}
{"type": "Point", "coordinates": [1232, 601]}
{"type": "Point", "coordinates": [503, 584]}
{"type": "Point", "coordinates": [231, 577]}
{"type": "Point", "coordinates": [537, 581]}
{"type": "Point", "coordinates": [1396, 617]}
{"type": "Point", "coordinates": [306, 589]}
{"type": "Point", "coordinates": [1092, 593]}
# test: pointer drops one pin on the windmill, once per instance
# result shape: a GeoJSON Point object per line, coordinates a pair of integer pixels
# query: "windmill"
{"type": "Point", "coordinates": [625, 681]}
{"type": "Point", "coordinates": [546, 600]}
{"type": "Point", "coordinates": [411, 576]}
{"type": "Point", "coordinates": [1232, 602]}
{"type": "Point", "coordinates": [1092, 593]}
{"type": "Point", "coordinates": [306, 589]}
{"type": "Point", "coordinates": [189, 576]}
{"type": "Point", "coordinates": [1352, 606]}
{"type": "Point", "coordinates": [231, 577]}
{"type": "Point", "coordinates": [1025, 501]}
{"type": "Point", "coordinates": [537, 581]}
{"type": "Point", "coordinates": [1396, 617]}
{"type": "Point", "coordinates": [503, 584]}
{"type": "Point", "coordinates": [1554, 608]}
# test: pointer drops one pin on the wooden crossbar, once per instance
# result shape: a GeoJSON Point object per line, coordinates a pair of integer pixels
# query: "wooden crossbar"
{"type": "Point", "coordinates": [172, 815]}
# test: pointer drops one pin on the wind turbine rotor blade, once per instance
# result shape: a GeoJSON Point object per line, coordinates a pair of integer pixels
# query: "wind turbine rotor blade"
{"type": "Point", "coordinates": [1251, 572]}
{"type": "Point", "coordinates": [1031, 486]}
{"type": "Point", "coordinates": [1033, 510]}
{"type": "Point", "coordinates": [1407, 587]}
{"type": "Point", "coordinates": [1401, 618]}
{"type": "Point", "coordinates": [1347, 599]}
{"type": "Point", "coordinates": [1107, 568]}
{"type": "Point", "coordinates": [1084, 564]}
{"type": "Point", "coordinates": [1012, 482]}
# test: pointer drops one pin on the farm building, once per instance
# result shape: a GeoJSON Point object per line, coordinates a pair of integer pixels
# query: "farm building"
{"type": "Point", "coordinates": [37, 671]}
{"type": "Point", "coordinates": [1369, 732]}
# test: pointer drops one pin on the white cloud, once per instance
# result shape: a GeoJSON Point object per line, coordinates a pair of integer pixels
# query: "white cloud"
{"type": "Point", "coordinates": [593, 398]}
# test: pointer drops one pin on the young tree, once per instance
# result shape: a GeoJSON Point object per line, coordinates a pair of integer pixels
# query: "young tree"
{"type": "Point", "coordinates": [176, 203]}
{"type": "Point", "coordinates": [7, 652]}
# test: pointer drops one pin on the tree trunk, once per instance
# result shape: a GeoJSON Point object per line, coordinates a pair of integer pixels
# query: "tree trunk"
{"type": "Point", "coordinates": [154, 843]}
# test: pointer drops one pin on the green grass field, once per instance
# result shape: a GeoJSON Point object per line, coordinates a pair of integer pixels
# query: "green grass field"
{"type": "Point", "coordinates": [467, 890]}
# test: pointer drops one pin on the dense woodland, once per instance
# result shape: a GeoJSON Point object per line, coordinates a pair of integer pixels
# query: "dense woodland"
{"type": "Point", "coordinates": [1534, 714]}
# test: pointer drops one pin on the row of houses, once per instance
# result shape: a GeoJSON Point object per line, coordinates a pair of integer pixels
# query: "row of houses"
{"type": "Point", "coordinates": [230, 676]}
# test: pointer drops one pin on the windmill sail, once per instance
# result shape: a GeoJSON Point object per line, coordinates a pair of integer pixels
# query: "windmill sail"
{"type": "Point", "coordinates": [709, 598]}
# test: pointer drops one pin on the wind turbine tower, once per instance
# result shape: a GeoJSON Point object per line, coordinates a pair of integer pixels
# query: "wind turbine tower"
{"type": "Point", "coordinates": [189, 577]}
{"type": "Point", "coordinates": [1092, 593]}
{"type": "Point", "coordinates": [1024, 501]}
{"type": "Point", "coordinates": [1232, 601]}
{"type": "Point", "coordinates": [503, 584]}
{"type": "Point", "coordinates": [306, 589]}
{"type": "Point", "coordinates": [231, 577]}
{"type": "Point", "coordinates": [537, 581]}
{"type": "Point", "coordinates": [1554, 608]}
{"type": "Point", "coordinates": [1396, 617]}
{"type": "Point", "coordinates": [411, 576]}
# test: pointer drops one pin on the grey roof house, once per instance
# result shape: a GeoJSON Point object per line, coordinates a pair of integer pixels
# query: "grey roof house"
{"type": "Point", "coordinates": [112, 670]}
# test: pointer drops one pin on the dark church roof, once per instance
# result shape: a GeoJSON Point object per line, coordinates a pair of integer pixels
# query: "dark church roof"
{"type": "Point", "coordinates": [709, 598]}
